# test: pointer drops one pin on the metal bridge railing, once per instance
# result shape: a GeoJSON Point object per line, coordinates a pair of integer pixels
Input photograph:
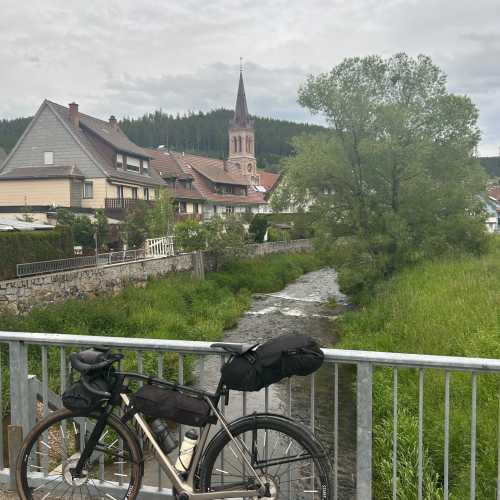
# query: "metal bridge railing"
{"type": "Point", "coordinates": [103, 259]}
{"type": "Point", "coordinates": [323, 388]}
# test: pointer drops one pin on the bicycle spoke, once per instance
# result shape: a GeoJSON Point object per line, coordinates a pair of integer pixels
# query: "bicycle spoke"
{"type": "Point", "coordinates": [56, 452]}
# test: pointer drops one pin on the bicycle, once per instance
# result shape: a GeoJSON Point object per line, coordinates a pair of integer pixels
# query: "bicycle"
{"type": "Point", "coordinates": [95, 452]}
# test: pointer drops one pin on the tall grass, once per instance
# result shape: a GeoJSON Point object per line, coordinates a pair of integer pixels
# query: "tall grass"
{"type": "Point", "coordinates": [449, 307]}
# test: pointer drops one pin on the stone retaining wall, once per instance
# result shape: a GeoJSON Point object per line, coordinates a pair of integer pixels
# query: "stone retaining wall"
{"type": "Point", "coordinates": [21, 295]}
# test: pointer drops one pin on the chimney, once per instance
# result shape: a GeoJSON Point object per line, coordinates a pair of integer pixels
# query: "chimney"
{"type": "Point", "coordinates": [73, 114]}
{"type": "Point", "coordinates": [113, 122]}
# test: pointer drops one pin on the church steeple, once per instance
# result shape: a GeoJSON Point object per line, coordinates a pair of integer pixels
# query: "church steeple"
{"type": "Point", "coordinates": [241, 116]}
{"type": "Point", "coordinates": [242, 137]}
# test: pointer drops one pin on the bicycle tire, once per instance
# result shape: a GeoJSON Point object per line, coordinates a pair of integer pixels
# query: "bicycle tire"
{"type": "Point", "coordinates": [274, 423]}
{"type": "Point", "coordinates": [129, 439]}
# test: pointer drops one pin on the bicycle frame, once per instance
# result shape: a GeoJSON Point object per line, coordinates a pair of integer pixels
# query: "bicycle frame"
{"type": "Point", "coordinates": [186, 487]}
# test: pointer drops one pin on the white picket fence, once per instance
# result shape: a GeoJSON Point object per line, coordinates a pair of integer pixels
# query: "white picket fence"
{"type": "Point", "coordinates": [159, 247]}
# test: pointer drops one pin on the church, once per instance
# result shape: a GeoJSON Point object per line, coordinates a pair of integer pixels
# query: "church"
{"type": "Point", "coordinates": [205, 187]}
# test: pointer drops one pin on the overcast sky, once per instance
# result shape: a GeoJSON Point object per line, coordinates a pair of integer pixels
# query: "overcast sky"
{"type": "Point", "coordinates": [128, 57]}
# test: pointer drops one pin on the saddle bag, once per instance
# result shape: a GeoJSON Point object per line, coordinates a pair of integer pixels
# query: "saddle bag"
{"type": "Point", "coordinates": [271, 362]}
{"type": "Point", "coordinates": [78, 398]}
{"type": "Point", "coordinates": [170, 404]}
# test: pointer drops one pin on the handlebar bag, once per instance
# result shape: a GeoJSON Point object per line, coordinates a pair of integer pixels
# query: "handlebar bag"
{"type": "Point", "coordinates": [273, 361]}
{"type": "Point", "coordinates": [170, 404]}
{"type": "Point", "coordinates": [78, 398]}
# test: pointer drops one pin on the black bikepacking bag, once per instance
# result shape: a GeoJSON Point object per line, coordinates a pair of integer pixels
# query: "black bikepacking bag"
{"type": "Point", "coordinates": [271, 362]}
{"type": "Point", "coordinates": [78, 398]}
{"type": "Point", "coordinates": [170, 404]}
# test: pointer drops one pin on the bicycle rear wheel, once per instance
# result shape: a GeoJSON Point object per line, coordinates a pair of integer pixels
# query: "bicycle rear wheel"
{"type": "Point", "coordinates": [53, 447]}
{"type": "Point", "coordinates": [284, 455]}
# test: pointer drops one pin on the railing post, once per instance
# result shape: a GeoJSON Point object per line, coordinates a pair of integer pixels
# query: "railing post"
{"type": "Point", "coordinates": [364, 432]}
{"type": "Point", "coordinates": [19, 386]}
{"type": "Point", "coordinates": [15, 440]}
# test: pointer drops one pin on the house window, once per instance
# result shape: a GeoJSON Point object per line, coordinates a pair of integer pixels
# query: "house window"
{"type": "Point", "coordinates": [119, 161]}
{"type": "Point", "coordinates": [88, 189]}
{"type": "Point", "coordinates": [134, 194]}
{"type": "Point", "coordinates": [195, 208]}
{"type": "Point", "coordinates": [119, 192]}
{"type": "Point", "coordinates": [145, 167]}
{"type": "Point", "coordinates": [146, 193]}
{"type": "Point", "coordinates": [229, 210]}
{"type": "Point", "coordinates": [48, 158]}
{"type": "Point", "coordinates": [182, 207]}
{"type": "Point", "coordinates": [133, 164]}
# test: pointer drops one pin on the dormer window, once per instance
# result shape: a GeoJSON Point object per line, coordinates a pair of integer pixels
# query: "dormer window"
{"type": "Point", "coordinates": [145, 167]}
{"type": "Point", "coordinates": [133, 164]}
{"type": "Point", "coordinates": [119, 161]}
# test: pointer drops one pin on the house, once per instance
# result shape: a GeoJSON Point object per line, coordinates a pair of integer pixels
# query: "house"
{"type": "Point", "coordinates": [204, 187]}
{"type": "Point", "coordinates": [492, 206]}
{"type": "Point", "coordinates": [189, 201]}
{"type": "Point", "coordinates": [66, 158]}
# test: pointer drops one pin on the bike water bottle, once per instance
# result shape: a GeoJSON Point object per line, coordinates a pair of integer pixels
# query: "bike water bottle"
{"type": "Point", "coordinates": [163, 436]}
{"type": "Point", "coordinates": [186, 452]}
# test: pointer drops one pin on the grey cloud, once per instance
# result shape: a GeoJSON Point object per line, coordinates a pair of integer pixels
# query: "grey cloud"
{"type": "Point", "coordinates": [128, 57]}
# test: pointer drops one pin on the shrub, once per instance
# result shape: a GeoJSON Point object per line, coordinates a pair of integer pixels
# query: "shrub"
{"type": "Point", "coordinates": [258, 227]}
{"type": "Point", "coordinates": [31, 246]}
{"type": "Point", "coordinates": [190, 236]}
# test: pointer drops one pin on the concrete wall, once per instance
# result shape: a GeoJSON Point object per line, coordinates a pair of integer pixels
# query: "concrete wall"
{"type": "Point", "coordinates": [21, 295]}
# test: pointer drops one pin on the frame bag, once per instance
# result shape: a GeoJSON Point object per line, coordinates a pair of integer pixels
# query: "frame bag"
{"type": "Point", "coordinates": [273, 361]}
{"type": "Point", "coordinates": [170, 404]}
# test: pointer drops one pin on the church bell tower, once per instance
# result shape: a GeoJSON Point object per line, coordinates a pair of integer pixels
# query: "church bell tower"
{"type": "Point", "coordinates": [242, 138]}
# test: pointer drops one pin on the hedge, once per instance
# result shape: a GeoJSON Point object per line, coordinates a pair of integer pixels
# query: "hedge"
{"type": "Point", "coordinates": [17, 247]}
{"type": "Point", "coordinates": [302, 223]}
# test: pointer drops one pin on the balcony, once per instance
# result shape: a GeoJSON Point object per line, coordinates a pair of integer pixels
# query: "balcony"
{"type": "Point", "coordinates": [118, 207]}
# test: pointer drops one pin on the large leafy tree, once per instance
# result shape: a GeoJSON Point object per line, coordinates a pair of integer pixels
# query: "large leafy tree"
{"type": "Point", "coordinates": [394, 178]}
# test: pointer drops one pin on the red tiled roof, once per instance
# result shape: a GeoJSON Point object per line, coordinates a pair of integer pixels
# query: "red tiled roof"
{"type": "Point", "coordinates": [494, 192]}
{"type": "Point", "coordinates": [96, 136]}
{"type": "Point", "coordinates": [204, 187]}
{"type": "Point", "coordinates": [213, 169]}
{"type": "Point", "coordinates": [267, 179]}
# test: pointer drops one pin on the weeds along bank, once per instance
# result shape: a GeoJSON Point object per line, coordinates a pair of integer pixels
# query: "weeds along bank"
{"type": "Point", "coordinates": [448, 308]}
{"type": "Point", "coordinates": [176, 307]}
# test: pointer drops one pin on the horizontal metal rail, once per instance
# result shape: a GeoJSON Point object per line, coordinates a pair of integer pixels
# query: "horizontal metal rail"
{"type": "Point", "coordinates": [314, 396]}
{"type": "Point", "coordinates": [59, 265]}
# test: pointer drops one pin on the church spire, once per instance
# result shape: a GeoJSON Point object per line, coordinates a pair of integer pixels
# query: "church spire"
{"type": "Point", "coordinates": [241, 116]}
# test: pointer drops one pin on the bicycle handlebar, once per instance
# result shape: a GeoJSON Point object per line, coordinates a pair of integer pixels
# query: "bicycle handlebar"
{"type": "Point", "coordinates": [89, 388]}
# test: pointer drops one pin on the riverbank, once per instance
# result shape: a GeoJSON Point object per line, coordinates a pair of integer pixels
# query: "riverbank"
{"type": "Point", "coordinates": [447, 307]}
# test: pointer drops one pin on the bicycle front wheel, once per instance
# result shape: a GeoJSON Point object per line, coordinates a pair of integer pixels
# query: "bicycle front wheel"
{"type": "Point", "coordinates": [53, 447]}
{"type": "Point", "coordinates": [284, 455]}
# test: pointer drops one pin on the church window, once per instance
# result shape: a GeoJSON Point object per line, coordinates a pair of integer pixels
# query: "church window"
{"type": "Point", "coordinates": [250, 145]}
{"type": "Point", "coordinates": [239, 143]}
{"type": "Point", "coordinates": [235, 145]}
{"type": "Point", "coordinates": [249, 167]}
